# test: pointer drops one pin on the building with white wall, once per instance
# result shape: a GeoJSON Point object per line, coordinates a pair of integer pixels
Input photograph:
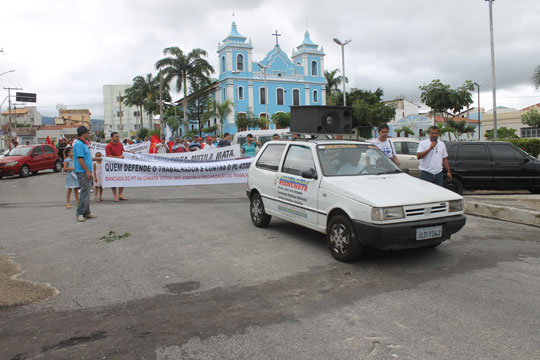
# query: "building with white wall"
{"type": "Point", "coordinates": [119, 117]}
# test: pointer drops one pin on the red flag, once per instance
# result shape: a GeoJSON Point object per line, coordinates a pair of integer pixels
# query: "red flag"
{"type": "Point", "coordinates": [48, 141]}
{"type": "Point", "coordinates": [153, 142]}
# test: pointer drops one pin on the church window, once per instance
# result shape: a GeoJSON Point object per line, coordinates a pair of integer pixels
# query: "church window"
{"type": "Point", "coordinates": [279, 97]}
{"type": "Point", "coordinates": [296, 97]}
{"type": "Point", "coordinates": [240, 93]}
{"type": "Point", "coordinates": [313, 68]}
{"type": "Point", "coordinates": [223, 94]}
{"type": "Point", "coordinates": [315, 96]}
{"type": "Point", "coordinates": [298, 63]}
{"type": "Point", "coordinates": [262, 95]}
{"type": "Point", "coordinates": [240, 62]}
{"type": "Point", "coordinates": [223, 64]}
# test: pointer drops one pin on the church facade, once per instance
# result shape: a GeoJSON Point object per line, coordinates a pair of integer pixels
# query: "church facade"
{"type": "Point", "coordinates": [271, 85]}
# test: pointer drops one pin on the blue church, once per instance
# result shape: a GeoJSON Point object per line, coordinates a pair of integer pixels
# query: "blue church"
{"type": "Point", "coordinates": [271, 85]}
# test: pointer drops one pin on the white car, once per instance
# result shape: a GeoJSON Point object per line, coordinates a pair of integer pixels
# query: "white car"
{"type": "Point", "coordinates": [406, 154]}
{"type": "Point", "coordinates": [351, 192]}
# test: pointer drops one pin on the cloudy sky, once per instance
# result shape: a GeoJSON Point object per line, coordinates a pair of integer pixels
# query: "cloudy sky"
{"type": "Point", "coordinates": [65, 51]}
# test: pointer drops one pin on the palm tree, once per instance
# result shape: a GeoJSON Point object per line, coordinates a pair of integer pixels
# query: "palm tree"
{"type": "Point", "coordinates": [332, 81]}
{"type": "Point", "coordinates": [142, 91]}
{"type": "Point", "coordinates": [536, 78]}
{"type": "Point", "coordinates": [220, 111]}
{"type": "Point", "coordinates": [177, 65]}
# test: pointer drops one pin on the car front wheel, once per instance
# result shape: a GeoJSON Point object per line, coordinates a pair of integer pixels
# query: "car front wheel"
{"type": "Point", "coordinates": [25, 171]}
{"type": "Point", "coordinates": [342, 240]}
{"type": "Point", "coordinates": [259, 217]}
{"type": "Point", "coordinates": [454, 185]}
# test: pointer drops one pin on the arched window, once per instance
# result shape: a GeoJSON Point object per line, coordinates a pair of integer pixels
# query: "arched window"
{"type": "Point", "coordinates": [315, 96]}
{"type": "Point", "coordinates": [223, 94]}
{"type": "Point", "coordinates": [279, 96]}
{"type": "Point", "coordinates": [313, 68]}
{"type": "Point", "coordinates": [223, 64]}
{"type": "Point", "coordinates": [262, 95]}
{"type": "Point", "coordinates": [296, 97]}
{"type": "Point", "coordinates": [240, 62]}
{"type": "Point", "coordinates": [240, 93]}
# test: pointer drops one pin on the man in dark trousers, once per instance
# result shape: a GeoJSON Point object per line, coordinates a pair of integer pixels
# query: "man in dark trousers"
{"type": "Point", "coordinates": [83, 166]}
{"type": "Point", "coordinates": [433, 156]}
{"type": "Point", "coordinates": [115, 149]}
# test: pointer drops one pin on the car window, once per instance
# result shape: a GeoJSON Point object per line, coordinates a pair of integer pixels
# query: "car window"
{"type": "Point", "coordinates": [263, 139]}
{"type": "Point", "coordinates": [501, 152]}
{"type": "Point", "coordinates": [476, 152]}
{"type": "Point", "coordinates": [299, 158]}
{"type": "Point", "coordinates": [37, 150]}
{"type": "Point", "coordinates": [241, 140]}
{"type": "Point", "coordinates": [412, 147]}
{"type": "Point", "coordinates": [48, 150]}
{"type": "Point", "coordinates": [20, 151]}
{"type": "Point", "coordinates": [398, 147]}
{"type": "Point", "coordinates": [271, 157]}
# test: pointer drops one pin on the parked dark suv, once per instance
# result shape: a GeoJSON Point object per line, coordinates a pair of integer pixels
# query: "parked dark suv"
{"type": "Point", "coordinates": [491, 165]}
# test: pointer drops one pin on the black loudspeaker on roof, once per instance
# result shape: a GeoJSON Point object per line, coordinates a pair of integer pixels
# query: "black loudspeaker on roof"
{"type": "Point", "coordinates": [317, 119]}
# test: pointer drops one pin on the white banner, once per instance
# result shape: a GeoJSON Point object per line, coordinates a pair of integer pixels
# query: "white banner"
{"type": "Point", "coordinates": [211, 154]}
{"type": "Point", "coordinates": [141, 148]}
{"type": "Point", "coordinates": [136, 173]}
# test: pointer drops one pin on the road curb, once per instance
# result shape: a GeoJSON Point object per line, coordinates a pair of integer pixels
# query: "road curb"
{"type": "Point", "coordinates": [513, 214]}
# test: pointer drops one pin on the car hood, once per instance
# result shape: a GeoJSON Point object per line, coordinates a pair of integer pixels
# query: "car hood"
{"type": "Point", "coordinates": [6, 159]}
{"type": "Point", "coordinates": [387, 190]}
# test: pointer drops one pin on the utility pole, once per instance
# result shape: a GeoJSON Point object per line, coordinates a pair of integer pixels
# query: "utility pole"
{"type": "Point", "coordinates": [479, 122]}
{"type": "Point", "coordinates": [8, 137]}
{"type": "Point", "coordinates": [493, 86]}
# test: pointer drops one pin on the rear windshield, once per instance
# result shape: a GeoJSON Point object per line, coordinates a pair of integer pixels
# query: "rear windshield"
{"type": "Point", "coordinates": [354, 159]}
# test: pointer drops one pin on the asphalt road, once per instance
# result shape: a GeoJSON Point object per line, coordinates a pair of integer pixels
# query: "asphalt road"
{"type": "Point", "coordinates": [196, 280]}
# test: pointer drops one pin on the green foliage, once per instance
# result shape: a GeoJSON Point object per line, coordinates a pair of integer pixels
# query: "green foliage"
{"type": "Point", "coordinates": [282, 120]}
{"type": "Point", "coordinates": [263, 124]}
{"type": "Point", "coordinates": [531, 118]}
{"type": "Point", "coordinates": [210, 129]}
{"type": "Point", "coordinates": [368, 107]}
{"type": "Point", "coordinates": [219, 111]}
{"type": "Point", "coordinates": [406, 131]}
{"type": "Point", "coordinates": [113, 236]}
{"type": "Point", "coordinates": [246, 121]}
{"type": "Point", "coordinates": [22, 125]}
{"type": "Point", "coordinates": [192, 133]}
{"type": "Point", "coordinates": [503, 133]}
{"type": "Point", "coordinates": [531, 146]}
{"type": "Point", "coordinates": [332, 82]}
{"type": "Point", "coordinates": [445, 101]}
{"type": "Point", "coordinates": [536, 78]}
{"type": "Point", "coordinates": [142, 133]}
{"type": "Point", "coordinates": [156, 132]}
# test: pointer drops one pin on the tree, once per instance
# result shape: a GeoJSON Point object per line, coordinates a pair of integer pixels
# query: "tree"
{"type": "Point", "coordinates": [142, 91]}
{"type": "Point", "coordinates": [531, 118]}
{"type": "Point", "coordinates": [332, 82]}
{"type": "Point", "coordinates": [246, 121]}
{"type": "Point", "coordinates": [502, 133]}
{"type": "Point", "coordinates": [198, 101]}
{"type": "Point", "coordinates": [368, 107]}
{"type": "Point", "coordinates": [184, 68]}
{"type": "Point", "coordinates": [282, 120]}
{"type": "Point", "coordinates": [445, 101]}
{"type": "Point", "coordinates": [406, 131]}
{"type": "Point", "coordinates": [536, 78]}
{"type": "Point", "coordinates": [219, 111]}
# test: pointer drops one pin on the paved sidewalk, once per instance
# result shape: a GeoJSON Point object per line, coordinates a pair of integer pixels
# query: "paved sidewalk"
{"type": "Point", "coordinates": [524, 209]}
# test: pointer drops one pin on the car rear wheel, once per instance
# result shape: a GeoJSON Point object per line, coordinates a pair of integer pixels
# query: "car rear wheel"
{"type": "Point", "coordinates": [57, 166]}
{"type": "Point", "coordinates": [454, 185]}
{"type": "Point", "coordinates": [259, 217]}
{"type": "Point", "coordinates": [342, 240]}
{"type": "Point", "coordinates": [25, 171]}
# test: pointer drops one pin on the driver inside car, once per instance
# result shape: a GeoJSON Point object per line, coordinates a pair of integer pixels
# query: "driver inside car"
{"type": "Point", "coordinates": [350, 162]}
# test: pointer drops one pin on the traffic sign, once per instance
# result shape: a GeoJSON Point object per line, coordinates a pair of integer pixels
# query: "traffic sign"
{"type": "Point", "coordinates": [25, 97]}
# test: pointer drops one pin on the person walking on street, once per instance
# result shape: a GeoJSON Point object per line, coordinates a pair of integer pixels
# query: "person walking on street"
{"type": "Point", "coordinates": [115, 149]}
{"type": "Point", "coordinates": [385, 144]}
{"type": "Point", "coordinates": [433, 156]}
{"type": "Point", "coordinates": [83, 166]}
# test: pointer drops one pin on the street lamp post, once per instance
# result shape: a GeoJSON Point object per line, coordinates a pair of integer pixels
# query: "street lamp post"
{"type": "Point", "coordinates": [175, 117]}
{"type": "Point", "coordinates": [263, 67]}
{"type": "Point", "coordinates": [493, 86]}
{"type": "Point", "coordinates": [342, 44]}
{"type": "Point", "coordinates": [479, 121]}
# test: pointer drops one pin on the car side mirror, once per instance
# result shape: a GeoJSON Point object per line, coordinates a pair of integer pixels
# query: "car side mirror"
{"type": "Point", "coordinates": [34, 154]}
{"type": "Point", "coordinates": [525, 160]}
{"type": "Point", "coordinates": [309, 174]}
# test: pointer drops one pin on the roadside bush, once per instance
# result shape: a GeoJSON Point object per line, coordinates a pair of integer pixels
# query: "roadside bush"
{"type": "Point", "coordinates": [532, 146]}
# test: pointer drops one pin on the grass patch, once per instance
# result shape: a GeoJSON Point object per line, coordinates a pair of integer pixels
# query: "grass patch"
{"type": "Point", "coordinates": [113, 236]}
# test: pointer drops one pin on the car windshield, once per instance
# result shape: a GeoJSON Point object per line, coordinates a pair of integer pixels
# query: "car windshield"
{"type": "Point", "coordinates": [354, 159]}
{"type": "Point", "coordinates": [19, 151]}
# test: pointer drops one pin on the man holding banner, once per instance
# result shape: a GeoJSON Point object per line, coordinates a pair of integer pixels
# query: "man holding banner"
{"type": "Point", "coordinates": [115, 149]}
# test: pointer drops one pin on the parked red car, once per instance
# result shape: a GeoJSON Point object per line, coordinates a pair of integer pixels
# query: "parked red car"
{"type": "Point", "coordinates": [27, 159]}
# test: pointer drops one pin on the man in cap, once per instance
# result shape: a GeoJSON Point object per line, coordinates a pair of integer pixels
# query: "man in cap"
{"type": "Point", "coordinates": [83, 164]}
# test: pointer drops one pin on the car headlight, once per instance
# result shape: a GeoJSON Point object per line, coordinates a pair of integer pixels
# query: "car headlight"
{"type": "Point", "coordinates": [455, 205]}
{"type": "Point", "coordinates": [11, 163]}
{"type": "Point", "coordinates": [389, 213]}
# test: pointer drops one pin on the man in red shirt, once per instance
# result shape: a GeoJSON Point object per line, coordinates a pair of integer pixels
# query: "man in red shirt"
{"type": "Point", "coordinates": [115, 149]}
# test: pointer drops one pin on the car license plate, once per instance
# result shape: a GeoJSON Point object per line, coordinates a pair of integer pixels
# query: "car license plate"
{"type": "Point", "coordinates": [430, 232]}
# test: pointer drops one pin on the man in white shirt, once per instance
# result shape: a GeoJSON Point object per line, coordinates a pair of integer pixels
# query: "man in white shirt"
{"type": "Point", "coordinates": [433, 156]}
{"type": "Point", "coordinates": [385, 144]}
